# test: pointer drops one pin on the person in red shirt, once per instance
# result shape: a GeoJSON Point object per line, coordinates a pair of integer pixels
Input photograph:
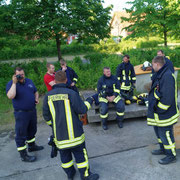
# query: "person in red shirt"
{"type": "Point", "coordinates": [49, 77]}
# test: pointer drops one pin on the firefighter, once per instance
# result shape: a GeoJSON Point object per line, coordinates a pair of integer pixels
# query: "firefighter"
{"type": "Point", "coordinates": [61, 107]}
{"type": "Point", "coordinates": [108, 91]}
{"type": "Point", "coordinates": [127, 78]}
{"type": "Point", "coordinates": [71, 75]}
{"type": "Point", "coordinates": [24, 97]}
{"type": "Point", "coordinates": [163, 111]}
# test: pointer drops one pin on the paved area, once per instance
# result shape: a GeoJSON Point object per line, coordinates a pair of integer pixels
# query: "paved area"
{"type": "Point", "coordinates": [48, 59]}
{"type": "Point", "coordinates": [116, 154]}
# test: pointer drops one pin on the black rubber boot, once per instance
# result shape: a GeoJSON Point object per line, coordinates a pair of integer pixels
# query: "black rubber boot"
{"type": "Point", "coordinates": [73, 174]}
{"type": "Point", "coordinates": [158, 152]}
{"type": "Point", "coordinates": [92, 177]}
{"type": "Point", "coordinates": [25, 157]}
{"type": "Point", "coordinates": [167, 160]}
{"type": "Point", "coordinates": [33, 147]}
{"type": "Point", "coordinates": [120, 124]}
{"type": "Point", "coordinates": [104, 124]}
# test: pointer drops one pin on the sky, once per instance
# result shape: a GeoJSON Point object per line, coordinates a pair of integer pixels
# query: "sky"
{"type": "Point", "coordinates": [118, 4]}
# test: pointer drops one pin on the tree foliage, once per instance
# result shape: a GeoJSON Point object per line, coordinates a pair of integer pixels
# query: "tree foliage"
{"type": "Point", "coordinates": [159, 17]}
{"type": "Point", "coordinates": [57, 19]}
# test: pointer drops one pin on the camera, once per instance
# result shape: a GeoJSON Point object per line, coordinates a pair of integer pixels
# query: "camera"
{"type": "Point", "coordinates": [19, 77]}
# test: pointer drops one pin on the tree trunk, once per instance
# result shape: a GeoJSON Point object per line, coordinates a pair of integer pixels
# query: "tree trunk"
{"type": "Point", "coordinates": [58, 44]}
{"type": "Point", "coordinates": [165, 38]}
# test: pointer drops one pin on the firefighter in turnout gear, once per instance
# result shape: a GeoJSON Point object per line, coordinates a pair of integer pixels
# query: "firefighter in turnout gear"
{"type": "Point", "coordinates": [61, 108]}
{"type": "Point", "coordinates": [108, 91]}
{"type": "Point", "coordinates": [163, 111]}
{"type": "Point", "coordinates": [127, 78]}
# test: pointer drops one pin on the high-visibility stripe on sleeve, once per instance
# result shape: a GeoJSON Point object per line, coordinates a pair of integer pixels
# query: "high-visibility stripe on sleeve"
{"type": "Point", "coordinates": [67, 165]}
{"type": "Point", "coordinates": [87, 104]}
{"type": "Point", "coordinates": [75, 79]}
{"type": "Point", "coordinates": [119, 78]}
{"type": "Point", "coordinates": [116, 99]}
{"type": "Point", "coordinates": [134, 78]}
{"type": "Point", "coordinates": [159, 140]}
{"type": "Point", "coordinates": [21, 148]}
{"type": "Point", "coordinates": [115, 90]}
{"type": "Point", "coordinates": [31, 140]}
{"type": "Point", "coordinates": [163, 106]}
{"type": "Point", "coordinates": [101, 99]}
{"type": "Point", "coordinates": [49, 122]}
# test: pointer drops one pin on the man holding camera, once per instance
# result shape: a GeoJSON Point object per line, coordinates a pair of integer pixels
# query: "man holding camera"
{"type": "Point", "coordinates": [24, 97]}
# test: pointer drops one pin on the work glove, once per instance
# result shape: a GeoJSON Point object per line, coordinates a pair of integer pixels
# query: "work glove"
{"type": "Point", "coordinates": [53, 149]}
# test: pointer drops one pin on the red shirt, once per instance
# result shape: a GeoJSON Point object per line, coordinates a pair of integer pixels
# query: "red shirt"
{"type": "Point", "coordinates": [47, 79]}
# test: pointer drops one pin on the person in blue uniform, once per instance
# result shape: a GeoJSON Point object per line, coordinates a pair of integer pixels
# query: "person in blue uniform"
{"type": "Point", "coordinates": [108, 91]}
{"type": "Point", "coordinates": [71, 75]}
{"type": "Point", "coordinates": [127, 78]}
{"type": "Point", "coordinates": [61, 109]}
{"type": "Point", "coordinates": [24, 97]}
{"type": "Point", "coordinates": [163, 110]}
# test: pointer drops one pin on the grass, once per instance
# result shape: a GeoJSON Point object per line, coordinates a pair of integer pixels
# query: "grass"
{"type": "Point", "coordinates": [7, 120]}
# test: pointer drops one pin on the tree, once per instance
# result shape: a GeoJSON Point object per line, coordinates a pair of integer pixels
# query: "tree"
{"type": "Point", "coordinates": [57, 19]}
{"type": "Point", "coordinates": [153, 17]}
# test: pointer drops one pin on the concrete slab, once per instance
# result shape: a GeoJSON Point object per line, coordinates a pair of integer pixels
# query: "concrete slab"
{"type": "Point", "coordinates": [116, 154]}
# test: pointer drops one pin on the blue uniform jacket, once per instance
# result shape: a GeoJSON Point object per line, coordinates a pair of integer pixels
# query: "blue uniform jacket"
{"type": "Point", "coordinates": [61, 109]}
{"type": "Point", "coordinates": [108, 86]}
{"type": "Point", "coordinates": [163, 110]}
{"type": "Point", "coordinates": [126, 75]}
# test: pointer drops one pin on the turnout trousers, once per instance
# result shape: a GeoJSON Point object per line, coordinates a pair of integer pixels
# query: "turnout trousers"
{"type": "Point", "coordinates": [166, 139]}
{"type": "Point", "coordinates": [119, 110]}
{"type": "Point", "coordinates": [25, 128]}
{"type": "Point", "coordinates": [81, 157]}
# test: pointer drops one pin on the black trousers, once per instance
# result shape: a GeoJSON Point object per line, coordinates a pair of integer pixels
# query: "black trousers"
{"type": "Point", "coordinates": [166, 139]}
{"type": "Point", "coordinates": [25, 128]}
{"type": "Point", "coordinates": [81, 157]}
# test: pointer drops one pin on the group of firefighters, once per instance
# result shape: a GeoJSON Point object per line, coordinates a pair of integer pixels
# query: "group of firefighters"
{"type": "Point", "coordinates": [62, 106]}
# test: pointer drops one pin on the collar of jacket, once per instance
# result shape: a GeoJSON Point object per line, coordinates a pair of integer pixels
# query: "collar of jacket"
{"type": "Point", "coordinates": [60, 85]}
{"type": "Point", "coordinates": [105, 77]}
{"type": "Point", "coordinates": [126, 64]}
{"type": "Point", "coordinates": [159, 74]}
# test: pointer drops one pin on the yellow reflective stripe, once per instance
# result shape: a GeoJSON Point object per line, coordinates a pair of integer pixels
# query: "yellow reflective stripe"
{"type": "Point", "coordinates": [31, 140]}
{"type": "Point", "coordinates": [123, 87]}
{"type": "Point", "coordinates": [134, 78]}
{"type": "Point", "coordinates": [156, 95]}
{"type": "Point", "coordinates": [86, 173]}
{"type": "Point", "coordinates": [163, 106]}
{"type": "Point", "coordinates": [67, 165]}
{"type": "Point", "coordinates": [159, 140]}
{"type": "Point", "coordinates": [176, 90]}
{"type": "Point", "coordinates": [115, 90]}
{"type": "Point", "coordinates": [116, 99]}
{"type": "Point", "coordinates": [75, 79]}
{"type": "Point", "coordinates": [104, 116]}
{"type": "Point", "coordinates": [70, 143]}
{"type": "Point", "coordinates": [162, 123]}
{"type": "Point", "coordinates": [69, 119]}
{"type": "Point", "coordinates": [21, 148]}
{"type": "Point", "coordinates": [171, 145]}
{"type": "Point", "coordinates": [119, 78]}
{"type": "Point", "coordinates": [87, 104]}
{"type": "Point", "coordinates": [49, 122]}
{"type": "Point", "coordinates": [120, 114]}
{"type": "Point", "coordinates": [53, 114]}
{"type": "Point", "coordinates": [101, 99]}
